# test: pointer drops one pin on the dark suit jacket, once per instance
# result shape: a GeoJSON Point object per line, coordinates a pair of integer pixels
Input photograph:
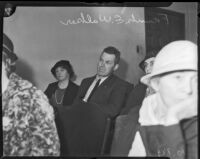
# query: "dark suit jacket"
{"type": "Point", "coordinates": [70, 92]}
{"type": "Point", "coordinates": [110, 96]}
{"type": "Point", "coordinates": [175, 141]}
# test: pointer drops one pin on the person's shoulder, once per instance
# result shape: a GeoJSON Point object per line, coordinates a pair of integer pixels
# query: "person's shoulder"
{"type": "Point", "coordinates": [88, 79]}
{"type": "Point", "coordinates": [121, 81]}
{"type": "Point", "coordinates": [73, 85]}
{"type": "Point", "coordinates": [116, 78]}
{"type": "Point", "coordinates": [20, 82]}
{"type": "Point", "coordinates": [139, 89]}
{"type": "Point", "coordinates": [29, 90]}
{"type": "Point", "coordinates": [53, 84]}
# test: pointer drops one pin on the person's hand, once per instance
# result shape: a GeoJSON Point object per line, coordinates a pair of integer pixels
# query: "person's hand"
{"type": "Point", "coordinates": [187, 108]}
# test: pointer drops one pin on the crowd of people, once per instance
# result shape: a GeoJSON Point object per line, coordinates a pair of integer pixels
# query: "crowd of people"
{"type": "Point", "coordinates": [159, 114]}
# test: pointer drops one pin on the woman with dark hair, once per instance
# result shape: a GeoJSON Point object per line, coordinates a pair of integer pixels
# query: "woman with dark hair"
{"type": "Point", "coordinates": [62, 92]}
{"type": "Point", "coordinates": [61, 95]}
{"type": "Point", "coordinates": [27, 117]}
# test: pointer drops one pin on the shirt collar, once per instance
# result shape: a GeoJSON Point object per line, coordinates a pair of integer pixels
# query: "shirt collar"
{"type": "Point", "coordinates": [102, 78]}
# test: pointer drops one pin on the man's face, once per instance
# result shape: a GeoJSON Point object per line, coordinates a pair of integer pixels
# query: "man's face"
{"type": "Point", "coordinates": [177, 86]}
{"type": "Point", "coordinates": [106, 65]}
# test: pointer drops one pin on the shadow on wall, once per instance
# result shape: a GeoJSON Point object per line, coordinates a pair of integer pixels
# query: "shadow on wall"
{"type": "Point", "coordinates": [25, 71]}
{"type": "Point", "coordinates": [122, 70]}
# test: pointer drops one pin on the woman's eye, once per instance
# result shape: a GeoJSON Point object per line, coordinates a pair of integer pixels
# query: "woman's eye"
{"type": "Point", "coordinates": [178, 77]}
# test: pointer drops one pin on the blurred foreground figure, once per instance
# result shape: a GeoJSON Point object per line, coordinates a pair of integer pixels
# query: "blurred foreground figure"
{"type": "Point", "coordinates": [167, 124]}
{"type": "Point", "coordinates": [28, 119]}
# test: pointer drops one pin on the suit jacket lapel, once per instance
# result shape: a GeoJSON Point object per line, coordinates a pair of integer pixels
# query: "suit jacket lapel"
{"type": "Point", "coordinates": [107, 81]}
{"type": "Point", "coordinates": [88, 84]}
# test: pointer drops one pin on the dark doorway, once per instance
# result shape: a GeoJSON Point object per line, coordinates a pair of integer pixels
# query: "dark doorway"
{"type": "Point", "coordinates": [161, 27]}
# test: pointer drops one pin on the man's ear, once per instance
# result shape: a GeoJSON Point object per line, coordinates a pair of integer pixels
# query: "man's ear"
{"type": "Point", "coordinates": [116, 67]}
{"type": "Point", "coordinates": [155, 83]}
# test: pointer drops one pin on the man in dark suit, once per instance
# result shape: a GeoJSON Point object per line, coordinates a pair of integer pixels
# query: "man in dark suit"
{"type": "Point", "coordinates": [111, 92]}
{"type": "Point", "coordinates": [100, 98]}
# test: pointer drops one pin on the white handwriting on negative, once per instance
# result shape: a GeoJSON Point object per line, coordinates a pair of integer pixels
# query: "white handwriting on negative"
{"type": "Point", "coordinates": [114, 19]}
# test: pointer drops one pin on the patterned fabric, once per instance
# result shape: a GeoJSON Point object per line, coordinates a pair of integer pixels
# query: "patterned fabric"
{"type": "Point", "coordinates": [28, 121]}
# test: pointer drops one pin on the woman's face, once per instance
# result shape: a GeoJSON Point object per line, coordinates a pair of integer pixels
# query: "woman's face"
{"type": "Point", "coordinates": [148, 65]}
{"type": "Point", "coordinates": [177, 86]}
{"type": "Point", "coordinates": [61, 74]}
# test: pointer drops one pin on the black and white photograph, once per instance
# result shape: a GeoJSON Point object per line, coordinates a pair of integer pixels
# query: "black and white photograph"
{"type": "Point", "coordinates": [100, 79]}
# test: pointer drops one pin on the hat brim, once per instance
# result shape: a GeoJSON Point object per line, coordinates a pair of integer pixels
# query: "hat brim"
{"type": "Point", "coordinates": [146, 79]}
{"type": "Point", "coordinates": [62, 63]}
{"type": "Point", "coordinates": [11, 55]}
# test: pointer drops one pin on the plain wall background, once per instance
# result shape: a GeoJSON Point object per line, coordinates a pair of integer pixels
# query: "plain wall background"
{"type": "Point", "coordinates": [40, 40]}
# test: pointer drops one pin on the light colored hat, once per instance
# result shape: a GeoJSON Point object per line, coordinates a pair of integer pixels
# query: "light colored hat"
{"type": "Point", "coordinates": [175, 56]}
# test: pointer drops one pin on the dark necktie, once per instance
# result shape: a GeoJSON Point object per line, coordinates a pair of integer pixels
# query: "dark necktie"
{"type": "Point", "coordinates": [94, 89]}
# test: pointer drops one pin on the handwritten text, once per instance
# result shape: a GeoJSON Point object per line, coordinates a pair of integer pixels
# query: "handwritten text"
{"type": "Point", "coordinates": [115, 19]}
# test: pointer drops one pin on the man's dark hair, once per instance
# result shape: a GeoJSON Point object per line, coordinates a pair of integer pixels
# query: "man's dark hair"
{"type": "Point", "coordinates": [112, 50]}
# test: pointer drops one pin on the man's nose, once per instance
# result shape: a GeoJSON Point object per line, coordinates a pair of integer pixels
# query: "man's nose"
{"type": "Point", "coordinates": [102, 63]}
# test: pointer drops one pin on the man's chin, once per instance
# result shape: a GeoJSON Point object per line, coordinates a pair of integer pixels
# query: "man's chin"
{"type": "Point", "coordinates": [103, 75]}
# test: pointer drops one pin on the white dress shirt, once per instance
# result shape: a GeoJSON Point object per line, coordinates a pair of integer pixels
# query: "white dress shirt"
{"type": "Point", "coordinates": [92, 87]}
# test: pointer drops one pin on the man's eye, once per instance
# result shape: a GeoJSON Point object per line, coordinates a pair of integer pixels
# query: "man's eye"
{"type": "Point", "coordinates": [109, 62]}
